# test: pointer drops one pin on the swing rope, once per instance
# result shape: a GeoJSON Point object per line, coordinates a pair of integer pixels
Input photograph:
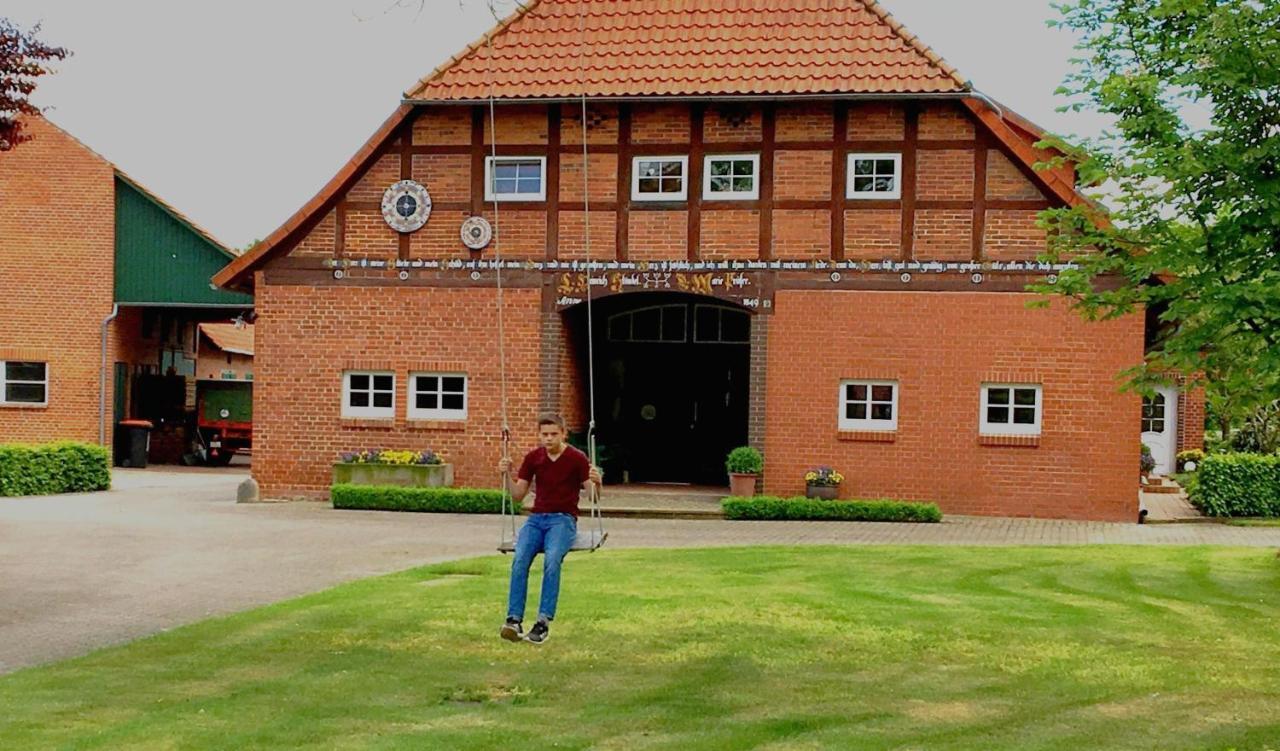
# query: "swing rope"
{"type": "Point", "coordinates": [508, 502]}
{"type": "Point", "coordinates": [594, 492]}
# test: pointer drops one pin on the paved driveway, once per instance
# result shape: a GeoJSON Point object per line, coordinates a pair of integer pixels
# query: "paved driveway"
{"type": "Point", "coordinates": [165, 548]}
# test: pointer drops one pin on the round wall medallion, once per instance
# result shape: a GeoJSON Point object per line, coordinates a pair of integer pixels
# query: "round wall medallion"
{"type": "Point", "coordinates": [406, 206]}
{"type": "Point", "coordinates": [476, 232]}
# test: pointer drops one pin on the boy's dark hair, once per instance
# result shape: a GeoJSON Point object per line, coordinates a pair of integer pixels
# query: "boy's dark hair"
{"type": "Point", "coordinates": [551, 418]}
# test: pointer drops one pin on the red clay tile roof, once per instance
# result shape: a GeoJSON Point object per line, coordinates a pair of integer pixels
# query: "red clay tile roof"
{"type": "Point", "coordinates": [230, 338]}
{"type": "Point", "coordinates": [691, 48]}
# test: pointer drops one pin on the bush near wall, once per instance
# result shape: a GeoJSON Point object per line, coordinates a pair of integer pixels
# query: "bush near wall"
{"type": "Point", "coordinates": [438, 500]}
{"type": "Point", "coordinates": [1238, 485]}
{"type": "Point", "coordinates": [61, 467]}
{"type": "Point", "coordinates": [772, 507]}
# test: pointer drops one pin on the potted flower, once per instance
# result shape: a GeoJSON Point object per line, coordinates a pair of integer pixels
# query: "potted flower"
{"type": "Point", "coordinates": [823, 482]}
{"type": "Point", "coordinates": [1189, 460]}
{"type": "Point", "coordinates": [1148, 462]}
{"type": "Point", "coordinates": [414, 469]}
{"type": "Point", "coordinates": [744, 465]}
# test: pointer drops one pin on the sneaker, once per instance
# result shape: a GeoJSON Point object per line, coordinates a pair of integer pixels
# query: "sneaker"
{"type": "Point", "coordinates": [511, 630]}
{"type": "Point", "coordinates": [538, 633]}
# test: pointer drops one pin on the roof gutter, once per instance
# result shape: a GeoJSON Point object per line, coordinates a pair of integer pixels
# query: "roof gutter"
{"type": "Point", "coordinates": [102, 377]}
{"type": "Point", "coordinates": [942, 95]}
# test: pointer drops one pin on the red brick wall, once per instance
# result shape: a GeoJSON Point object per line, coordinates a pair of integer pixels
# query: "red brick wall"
{"type": "Point", "coordinates": [941, 347]}
{"type": "Point", "coordinates": [727, 234]}
{"type": "Point", "coordinates": [1191, 418]}
{"type": "Point", "coordinates": [307, 336]}
{"type": "Point", "coordinates": [56, 277]}
{"type": "Point", "coordinates": [659, 233]}
{"type": "Point", "coordinates": [802, 175]}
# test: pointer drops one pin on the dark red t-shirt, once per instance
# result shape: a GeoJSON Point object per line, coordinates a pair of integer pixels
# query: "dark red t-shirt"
{"type": "Point", "coordinates": [558, 482]}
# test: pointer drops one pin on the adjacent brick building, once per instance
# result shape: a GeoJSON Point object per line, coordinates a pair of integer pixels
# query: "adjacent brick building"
{"type": "Point", "coordinates": [102, 284]}
{"type": "Point", "coordinates": [806, 232]}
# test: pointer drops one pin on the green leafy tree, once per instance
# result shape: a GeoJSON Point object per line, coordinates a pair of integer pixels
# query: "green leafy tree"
{"type": "Point", "coordinates": [1190, 175]}
{"type": "Point", "coordinates": [23, 59]}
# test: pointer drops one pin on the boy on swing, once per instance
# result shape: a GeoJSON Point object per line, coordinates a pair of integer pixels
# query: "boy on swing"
{"type": "Point", "coordinates": [562, 472]}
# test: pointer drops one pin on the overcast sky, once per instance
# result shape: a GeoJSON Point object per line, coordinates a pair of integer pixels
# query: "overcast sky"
{"type": "Point", "coordinates": [238, 111]}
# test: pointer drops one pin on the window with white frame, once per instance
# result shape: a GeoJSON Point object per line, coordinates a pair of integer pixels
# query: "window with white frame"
{"type": "Point", "coordinates": [731, 177]}
{"type": "Point", "coordinates": [1011, 409]}
{"type": "Point", "coordinates": [874, 176]}
{"type": "Point", "coordinates": [368, 394]}
{"type": "Point", "coordinates": [24, 383]}
{"type": "Point", "coordinates": [868, 405]}
{"type": "Point", "coordinates": [438, 396]}
{"type": "Point", "coordinates": [515, 178]}
{"type": "Point", "coordinates": [659, 178]}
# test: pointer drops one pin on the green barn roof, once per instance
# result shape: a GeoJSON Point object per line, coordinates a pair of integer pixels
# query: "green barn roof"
{"type": "Point", "coordinates": [163, 258]}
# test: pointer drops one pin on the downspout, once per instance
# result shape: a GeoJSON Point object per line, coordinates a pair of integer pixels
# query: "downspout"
{"type": "Point", "coordinates": [102, 377]}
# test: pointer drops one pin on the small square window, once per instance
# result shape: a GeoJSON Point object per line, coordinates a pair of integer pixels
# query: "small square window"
{"type": "Point", "coordinates": [874, 176]}
{"type": "Point", "coordinates": [515, 178]}
{"type": "Point", "coordinates": [869, 405]}
{"type": "Point", "coordinates": [369, 395]}
{"type": "Point", "coordinates": [731, 178]}
{"type": "Point", "coordinates": [438, 396]}
{"type": "Point", "coordinates": [659, 178]}
{"type": "Point", "coordinates": [1009, 409]}
{"type": "Point", "coordinates": [25, 383]}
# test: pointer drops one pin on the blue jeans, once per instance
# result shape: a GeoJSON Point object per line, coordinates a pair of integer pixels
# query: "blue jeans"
{"type": "Point", "coordinates": [549, 534]}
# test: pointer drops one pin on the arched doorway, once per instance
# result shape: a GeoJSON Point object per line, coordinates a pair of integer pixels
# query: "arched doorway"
{"type": "Point", "coordinates": [672, 377]}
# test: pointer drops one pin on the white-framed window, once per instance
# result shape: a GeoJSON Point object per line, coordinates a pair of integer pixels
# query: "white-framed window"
{"type": "Point", "coordinates": [369, 394]}
{"type": "Point", "coordinates": [1153, 413]}
{"type": "Point", "coordinates": [874, 176]}
{"type": "Point", "coordinates": [515, 178]}
{"type": "Point", "coordinates": [868, 405]}
{"type": "Point", "coordinates": [25, 383]}
{"type": "Point", "coordinates": [1011, 409]}
{"type": "Point", "coordinates": [660, 178]}
{"type": "Point", "coordinates": [438, 396]}
{"type": "Point", "coordinates": [731, 177]}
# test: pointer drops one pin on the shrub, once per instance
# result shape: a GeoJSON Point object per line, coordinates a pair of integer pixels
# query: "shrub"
{"type": "Point", "coordinates": [772, 507]}
{"type": "Point", "coordinates": [438, 500]}
{"type": "Point", "coordinates": [1190, 455]}
{"type": "Point", "coordinates": [1239, 485]}
{"type": "Point", "coordinates": [744, 460]}
{"type": "Point", "coordinates": [61, 467]}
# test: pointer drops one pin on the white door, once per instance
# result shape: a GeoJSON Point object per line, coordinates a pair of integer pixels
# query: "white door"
{"type": "Point", "coordinates": [1160, 427]}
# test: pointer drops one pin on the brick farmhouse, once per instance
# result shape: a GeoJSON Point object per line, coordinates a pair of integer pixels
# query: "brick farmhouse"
{"type": "Point", "coordinates": [805, 232]}
{"type": "Point", "coordinates": [103, 284]}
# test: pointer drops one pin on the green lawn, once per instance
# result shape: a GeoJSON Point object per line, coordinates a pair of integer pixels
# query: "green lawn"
{"type": "Point", "coordinates": [760, 648]}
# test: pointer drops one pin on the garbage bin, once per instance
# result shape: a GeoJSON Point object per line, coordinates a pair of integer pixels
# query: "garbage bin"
{"type": "Point", "coordinates": [133, 439]}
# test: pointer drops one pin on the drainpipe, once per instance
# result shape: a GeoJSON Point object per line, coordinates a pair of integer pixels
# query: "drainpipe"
{"type": "Point", "coordinates": [102, 377]}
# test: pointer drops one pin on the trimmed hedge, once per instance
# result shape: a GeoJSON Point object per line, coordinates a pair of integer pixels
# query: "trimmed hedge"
{"type": "Point", "coordinates": [772, 507]}
{"type": "Point", "coordinates": [438, 500]}
{"type": "Point", "coordinates": [61, 467]}
{"type": "Point", "coordinates": [1238, 485]}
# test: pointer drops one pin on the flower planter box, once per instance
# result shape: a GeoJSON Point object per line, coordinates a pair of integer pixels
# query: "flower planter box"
{"type": "Point", "coordinates": [827, 492]}
{"type": "Point", "coordinates": [403, 475]}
